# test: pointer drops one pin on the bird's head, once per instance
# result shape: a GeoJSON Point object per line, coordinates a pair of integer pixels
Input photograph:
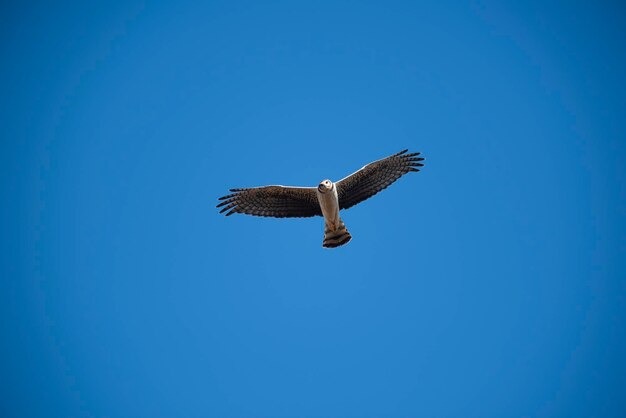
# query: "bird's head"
{"type": "Point", "coordinates": [325, 186]}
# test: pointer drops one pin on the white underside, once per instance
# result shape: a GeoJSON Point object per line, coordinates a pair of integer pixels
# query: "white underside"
{"type": "Point", "coordinates": [329, 202]}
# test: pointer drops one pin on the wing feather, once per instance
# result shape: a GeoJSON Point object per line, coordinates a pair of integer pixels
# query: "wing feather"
{"type": "Point", "coordinates": [375, 177]}
{"type": "Point", "coordinates": [272, 201]}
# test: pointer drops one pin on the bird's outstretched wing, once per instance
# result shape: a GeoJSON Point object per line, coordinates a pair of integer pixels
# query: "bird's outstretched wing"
{"type": "Point", "coordinates": [272, 201]}
{"type": "Point", "coordinates": [375, 177]}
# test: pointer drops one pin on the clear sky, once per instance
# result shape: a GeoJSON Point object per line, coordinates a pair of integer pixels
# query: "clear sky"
{"type": "Point", "coordinates": [490, 284]}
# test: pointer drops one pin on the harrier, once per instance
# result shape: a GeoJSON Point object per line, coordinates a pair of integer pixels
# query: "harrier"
{"type": "Point", "coordinates": [326, 200]}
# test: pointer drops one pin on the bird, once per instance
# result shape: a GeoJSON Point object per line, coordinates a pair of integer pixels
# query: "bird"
{"type": "Point", "coordinates": [327, 199]}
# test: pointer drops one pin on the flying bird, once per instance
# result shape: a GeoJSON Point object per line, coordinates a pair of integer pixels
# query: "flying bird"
{"type": "Point", "coordinates": [326, 200]}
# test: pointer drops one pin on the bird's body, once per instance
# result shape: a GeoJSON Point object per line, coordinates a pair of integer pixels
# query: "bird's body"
{"type": "Point", "coordinates": [335, 232]}
{"type": "Point", "coordinates": [326, 200]}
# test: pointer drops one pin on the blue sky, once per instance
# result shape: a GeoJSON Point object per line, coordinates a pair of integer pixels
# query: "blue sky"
{"type": "Point", "coordinates": [490, 284]}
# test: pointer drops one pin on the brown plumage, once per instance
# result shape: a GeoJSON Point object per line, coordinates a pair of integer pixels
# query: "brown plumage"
{"type": "Point", "coordinates": [272, 201]}
{"type": "Point", "coordinates": [375, 177]}
{"type": "Point", "coordinates": [325, 200]}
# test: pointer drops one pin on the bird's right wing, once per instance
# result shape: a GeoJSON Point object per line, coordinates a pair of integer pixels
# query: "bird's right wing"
{"type": "Point", "coordinates": [272, 201]}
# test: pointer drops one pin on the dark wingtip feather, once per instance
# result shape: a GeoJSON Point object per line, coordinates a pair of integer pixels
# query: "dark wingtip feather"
{"type": "Point", "coordinates": [413, 169]}
{"type": "Point", "coordinates": [402, 152]}
{"type": "Point", "coordinates": [231, 212]}
{"type": "Point", "coordinates": [226, 197]}
{"type": "Point", "coordinates": [230, 206]}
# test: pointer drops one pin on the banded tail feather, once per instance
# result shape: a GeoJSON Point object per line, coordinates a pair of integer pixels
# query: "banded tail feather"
{"type": "Point", "coordinates": [337, 237]}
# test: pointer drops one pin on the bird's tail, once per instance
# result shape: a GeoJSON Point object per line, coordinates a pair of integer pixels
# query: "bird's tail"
{"type": "Point", "coordinates": [336, 237]}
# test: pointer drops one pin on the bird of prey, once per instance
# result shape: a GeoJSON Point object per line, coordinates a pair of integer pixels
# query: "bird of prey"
{"type": "Point", "coordinates": [326, 200]}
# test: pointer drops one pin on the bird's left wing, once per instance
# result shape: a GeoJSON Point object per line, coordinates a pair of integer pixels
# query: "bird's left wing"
{"type": "Point", "coordinates": [272, 201]}
{"type": "Point", "coordinates": [375, 177]}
